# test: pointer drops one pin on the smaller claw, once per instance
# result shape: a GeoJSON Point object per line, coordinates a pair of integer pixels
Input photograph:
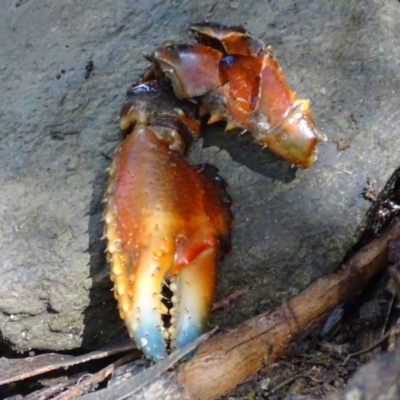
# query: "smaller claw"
{"type": "Point", "coordinates": [234, 76]}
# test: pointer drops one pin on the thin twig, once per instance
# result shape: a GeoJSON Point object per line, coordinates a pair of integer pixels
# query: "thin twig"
{"type": "Point", "coordinates": [227, 299]}
{"type": "Point", "coordinates": [51, 391]}
{"type": "Point", "coordinates": [85, 385]}
{"type": "Point", "coordinates": [394, 330]}
{"type": "Point", "coordinates": [12, 370]}
{"type": "Point", "coordinates": [369, 348]}
{"type": "Point", "coordinates": [288, 381]}
{"type": "Point", "coordinates": [395, 275]}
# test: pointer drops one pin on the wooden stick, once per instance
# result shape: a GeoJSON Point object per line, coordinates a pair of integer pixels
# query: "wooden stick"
{"type": "Point", "coordinates": [227, 359]}
{"type": "Point", "coordinates": [85, 385]}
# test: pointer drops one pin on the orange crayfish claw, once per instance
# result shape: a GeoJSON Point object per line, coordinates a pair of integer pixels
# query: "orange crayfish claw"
{"type": "Point", "coordinates": [233, 76]}
{"type": "Point", "coordinates": [167, 224]}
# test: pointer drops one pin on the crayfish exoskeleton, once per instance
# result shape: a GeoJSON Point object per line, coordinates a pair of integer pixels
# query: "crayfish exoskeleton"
{"type": "Point", "coordinates": [234, 77]}
{"type": "Point", "coordinates": [167, 221]}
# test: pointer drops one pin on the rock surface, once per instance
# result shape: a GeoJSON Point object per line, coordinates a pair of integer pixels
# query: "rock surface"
{"type": "Point", "coordinates": [59, 130]}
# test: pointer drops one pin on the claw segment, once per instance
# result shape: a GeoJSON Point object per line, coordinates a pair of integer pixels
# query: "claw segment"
{"type": "Point", "coordinates": [235, 76]}
{"type": "Point", "coordinates": [143, 319]}
{"type": "Point", "coordinates": [196, 285]}
{"type": "Point", "coordinates": [192, 69]}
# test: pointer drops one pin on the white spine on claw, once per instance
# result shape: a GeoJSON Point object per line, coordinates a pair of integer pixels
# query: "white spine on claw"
{"type": "Point", "coordinates": [173, 286]}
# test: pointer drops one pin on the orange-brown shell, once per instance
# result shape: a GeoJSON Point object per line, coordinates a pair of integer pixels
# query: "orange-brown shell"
{"type": "Point", "coordinates": [235, 77]}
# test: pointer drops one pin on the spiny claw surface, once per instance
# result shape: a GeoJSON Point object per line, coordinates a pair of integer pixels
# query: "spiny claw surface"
{"type": "Point", "coordinates": [167, 224]}
{"type": "Point", "coordinates": [234, 76]}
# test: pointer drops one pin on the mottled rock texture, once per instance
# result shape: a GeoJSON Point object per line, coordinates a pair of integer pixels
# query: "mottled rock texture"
{"type": "Point", "coordinates": [58, 131]}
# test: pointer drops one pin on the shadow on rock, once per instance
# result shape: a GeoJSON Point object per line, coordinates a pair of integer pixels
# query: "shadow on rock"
{"type": "Point", "coordinates": [101, 320]}
{"type": "Point", "coordinates": [243, 150]}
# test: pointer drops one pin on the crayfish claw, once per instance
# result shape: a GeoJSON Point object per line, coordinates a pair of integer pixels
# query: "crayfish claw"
{"type": "Point", "coordinates": [166, 224]}
{"type": "Point", "coordinates": [233, 76]}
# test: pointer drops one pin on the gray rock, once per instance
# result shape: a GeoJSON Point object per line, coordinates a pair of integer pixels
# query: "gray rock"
{"type": "Point", "coordinates": [58, 131]}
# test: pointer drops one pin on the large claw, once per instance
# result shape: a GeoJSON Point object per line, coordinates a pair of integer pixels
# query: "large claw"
{"type": "Point", "coordinates": [167, 224]}
{"type": "Point", "coordinates": [234, 77]}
